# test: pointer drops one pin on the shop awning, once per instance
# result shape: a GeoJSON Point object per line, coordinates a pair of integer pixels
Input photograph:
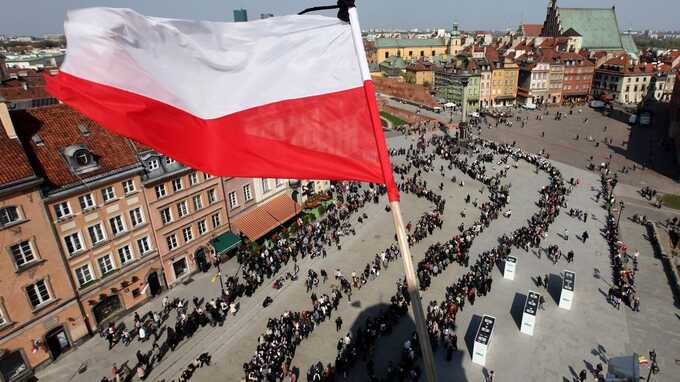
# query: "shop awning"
{"type": "Point", "coordinates": [266, 217]}
{"type": "Point", "coordinates": [225, 242]}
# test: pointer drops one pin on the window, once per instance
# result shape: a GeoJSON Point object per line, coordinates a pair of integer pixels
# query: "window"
{"type": "Point", "coordinates": [206, 176]}
{"type": "Point", "coordinates": [84, 275]}
{"type": "Point", "coordinates": [265, 186]}
{"type": "Point", "coordinates": [152, 164]}
{"type": "Point", "coordinates": [410, 53]}
{"type": "Point", "coordinates": [108, 194]}
{"type": "Point", "coordinates": [215, 220]}
{"type": "Point", "coordinates": [105, 265]}
{"type": "Point", "coordinates": [193, 178]}
{"type": "Point", "coordinates": [434, 53]}
{"type": "Point", "coordinates": [136, 217]}
{"type": "Point", "coordinates": [62, 210]}
{"type": "Point", "coordinates": [233, 200]}
{"type": "Point", "coordinates": [422, 53]}
{"type": "Point", "coordinates": [143, 245]}
{"type": "Point", "coordinates": [22, 253]}
{"type": "Point", "coordinates": [82, 157]}
{"type": "Point", "coordinates": [86, 202]}
{"type": "Point", "coordinates": [117, 225]}
{"type": "Point", "coordinates": [182, 209]}
{"type": "Point", "coordinates": [125, 254]}
{"type": "Point", "coordinates": [73, 243]}
{"type": "Point", "coordinates": [387, 54]}
{"type": "Point", "coordinates": [96, 233]}
{"type": "Point", "coordinates": [160, 191]}
{"type": "Point", "coordinates": [166, 215]}
{"type": "Point", "coordinates": [247, 194]}
{"type": "Point", "coordinates": [128, 187]}
{"type": "Point", "coordinates": [172, 242]}
{"type": "Point", "coordinates": [212, 197]}
{"type": "Point", "coordinates": [202, 227]}
{"type": "Point", "coordinates": [198, 202]}
{"type": "Point", "coordinates": [177, 184]}
{"type": "Point", "coordinates": [8, 215]}
{"type": "Point", "coordinates": [3, 321]}
{"type": "Point", "coordinates": [188, 234]}
{"type": "Point", "coordinates": [279, 182]}
{"type": "Point", "coordinates": [38, 293]}
{"type": "Point", "coordinates": [169, 160]}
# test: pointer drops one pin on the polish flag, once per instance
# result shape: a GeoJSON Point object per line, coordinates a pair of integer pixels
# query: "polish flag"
{"type": "Point", "coordinates": [284, 97]}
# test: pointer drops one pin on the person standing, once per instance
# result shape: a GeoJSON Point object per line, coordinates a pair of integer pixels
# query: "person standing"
{"type": "Point", "coordinates": [582, 375]}
{"type": "Point", "coordinates": [338, 324]}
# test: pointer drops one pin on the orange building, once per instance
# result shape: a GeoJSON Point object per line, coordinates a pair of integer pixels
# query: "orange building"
{"type": "Point", "coordinates": [94, 196]}
{"type": "Point", "coordinates": [40, 317]}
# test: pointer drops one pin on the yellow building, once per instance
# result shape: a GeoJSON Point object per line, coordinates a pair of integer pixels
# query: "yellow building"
{"type": "Point", "coordinates": [409, 48]}
{"type": "Point", "coordinates": [504, 75]}
{"type": "Point", "coordinates": [420, 73]}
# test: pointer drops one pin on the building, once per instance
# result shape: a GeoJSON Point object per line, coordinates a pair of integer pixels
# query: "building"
{"type": "Point", "coordinates": [187, 211]}
{"type": "Point", "coordinates": [455, 45]}
{"type": "Point", "coordinates": [578, 76]}
{"type": "Point", "coordinates": [96, 204]}
{"type": "Point", "coordinates": [504, 76]}
{"type": "Point", "coordinates": [533, 80]}
{"type": "Point", "coordinates": [484, 83]}
{"type": "Point", "coordinates": [555, 80]}
{"type": "Point", "coordinates": [622, 80]}
{"type": "Point", "coordinates": [450, 81]}
{"type": "Point", "coordinates": [40, 316]}
{"type": "Point", "coordinates": [240, 15]}
{"type": "Point", "coordinates": [530, 30]}
{"type": "Point", "coordinates": [273, 208]}
{"type": "Point", "coordinates": [409, 48]}
{"type": "Point", "coordinates": [420, 73]}
{"type": "Point", "coordinates": [393, 66]}
{"type": "Point", "coordinates": [598, 28]}
{"type": "Point", "coordinates": [25, 88]}
{"type": "Point", "coordinates": [263, 16]}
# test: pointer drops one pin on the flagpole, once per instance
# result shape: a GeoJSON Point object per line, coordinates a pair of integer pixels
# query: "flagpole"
{"type": "Point", "coordinates": [410, 274]}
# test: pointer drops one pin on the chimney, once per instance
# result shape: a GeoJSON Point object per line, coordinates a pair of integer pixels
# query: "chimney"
{"type": "Point", "coordinates": [6, 121]}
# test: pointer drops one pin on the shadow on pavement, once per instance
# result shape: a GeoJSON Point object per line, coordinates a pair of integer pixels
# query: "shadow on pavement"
{"type": "Point", "coordinates": [389, 347]}
{"type": "Point", "coordinates": [555, 287]}
{"type": "Point", "coordinates": [471, 332]}
{"type": "Point", "coordinates": [517, 308]}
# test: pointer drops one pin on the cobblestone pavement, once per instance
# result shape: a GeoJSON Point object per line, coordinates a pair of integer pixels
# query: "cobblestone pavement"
{"type": "Point", "coordinates": [565, 341]}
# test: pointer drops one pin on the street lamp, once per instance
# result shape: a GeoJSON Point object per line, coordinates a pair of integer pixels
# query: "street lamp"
{"type": "Point", "coordinates": [621, 206]}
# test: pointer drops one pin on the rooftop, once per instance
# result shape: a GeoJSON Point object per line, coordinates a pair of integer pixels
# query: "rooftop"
{"type": "Point", "coordinates": [46, 132]}
{"type": "Point", "coordinates": [14, 162]}
{"type": "Point", "coordinates": [408, 43]}
{"type": "Point", "coordinates": [597, 26]}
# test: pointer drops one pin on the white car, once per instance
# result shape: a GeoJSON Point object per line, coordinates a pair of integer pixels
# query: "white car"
{"type": "Point", "coordinates": [597, 104]}
{"type": "Point", "coordinates": [475, 114]}
{"type": "Point", "coordinates": [529, 106]}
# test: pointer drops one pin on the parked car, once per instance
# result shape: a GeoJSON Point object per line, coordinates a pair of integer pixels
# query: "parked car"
{"type": "Point", "coordinates": [597, 104]}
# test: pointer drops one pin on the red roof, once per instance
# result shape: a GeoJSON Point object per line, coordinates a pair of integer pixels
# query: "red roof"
{"type": "Point", "coordinates": [14, 164]}
{"type": "Point", "coordinates": [29, 84]}
{"type": "Point", "coordinates": [491, 54]}
{"type": "Point", "coordinates": [532, 30]}
{"type": "Point", "coordinates": [59, 127]}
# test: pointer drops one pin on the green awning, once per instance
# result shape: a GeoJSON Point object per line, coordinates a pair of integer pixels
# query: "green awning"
{"type": "Point", "coordinates": [225, 242]}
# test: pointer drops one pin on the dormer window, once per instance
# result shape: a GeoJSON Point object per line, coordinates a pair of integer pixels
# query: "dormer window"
{"type": "Point", "coordinates": [80, 159]}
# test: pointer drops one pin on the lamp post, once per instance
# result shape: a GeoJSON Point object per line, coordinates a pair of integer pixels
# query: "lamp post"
{"type": "Point", "coordinates": [621, 206]}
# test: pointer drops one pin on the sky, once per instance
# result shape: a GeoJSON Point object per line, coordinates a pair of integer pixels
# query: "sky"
{"type": "Point", "coordinates": [37, 17]}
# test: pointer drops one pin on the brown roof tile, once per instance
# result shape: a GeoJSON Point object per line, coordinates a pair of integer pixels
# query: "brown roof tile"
{"type": "Point", "coordinates": [532, 30]}
{"type": "Point", "coordinates": [58, 128]}
{"type": "Point", "coordinates": [14, 164]}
